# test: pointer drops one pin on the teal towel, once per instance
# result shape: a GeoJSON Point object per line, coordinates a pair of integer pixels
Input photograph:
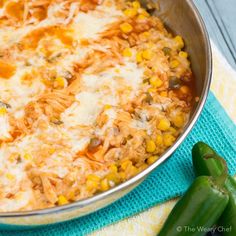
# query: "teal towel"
{"type": "Point", "coordinates": [168, 181]}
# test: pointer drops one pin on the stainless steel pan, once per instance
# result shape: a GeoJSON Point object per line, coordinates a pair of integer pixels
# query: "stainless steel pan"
{"type": "Point", "coordinates": [182, 17]}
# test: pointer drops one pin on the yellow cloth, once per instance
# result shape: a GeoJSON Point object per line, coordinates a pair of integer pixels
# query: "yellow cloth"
{"type": "Point", "coordinates": [149, 223]}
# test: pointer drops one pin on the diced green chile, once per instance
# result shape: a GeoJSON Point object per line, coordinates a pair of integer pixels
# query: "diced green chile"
{"type": "Point", "coordinates": [6, 105]}
{"type": "Point", "coordinates": [94, 144]}
{"type": "Point", "coordinates": [146, 81]}
{"type": "Point", "coordinates": [186, 79]}
{"type": "Point", "coordinates": [167, 51]}
{"type": "Point", "coordinates": [200, 207]}
{"type": "Point", "coordinates": [148, 98]}
{"type": "Point", "coordinates": [174, 82]}
{"type": "Point", "coordinates": [57, 122]}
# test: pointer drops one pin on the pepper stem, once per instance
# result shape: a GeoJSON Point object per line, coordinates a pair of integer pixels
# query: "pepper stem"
{"type": "Point", "coordinates": [220, 179]}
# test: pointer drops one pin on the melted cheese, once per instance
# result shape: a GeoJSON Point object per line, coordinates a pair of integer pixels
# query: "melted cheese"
{"type": "Point", "coordinates": [129, 73]}
{"type": "Point", "coordinates": [18, 94]}
{"type": "Point", "coordinates": [4, 128]}
{"type": "Point", "coordinates": [84, 111]}
{"type": "Point", "coordinates": [121, 82]}
{"type": "Point", "coordinates": [69, 60]}
{"type": "Point", "coordinates": [20, 201]}
{"type": "Point", "coordinates": [8, 36]}
{"type": "Point", "coordinates": [127, 77]}
{"type": "Point", "coordinates": [90, 25]}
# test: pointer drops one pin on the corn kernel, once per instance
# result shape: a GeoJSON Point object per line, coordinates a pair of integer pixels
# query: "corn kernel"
{"type": "Point", "coordinates": [41, 165]}
{"type": "Point", "coordinates": [122, 175]}
{"type": "Point", "coordinates": [117, 70]}
{"type": "Point", "coordinates": [47, 82]}
{"type": "Point", "coordinates": [147, 54]}
{"type": "Point", "coordinates": [107, 107]}
{"type": "Point", "coordinates": [126, 28]}
{"type": "Point", "coordinates": [51, 151]}
{"type": "Point", "coordinates": [147, 73]}
{"type": "Point", "coordinates": [151, 90]}
{"type": "Point", "coordinates": [139, 57]}
{"type": "Point", "coordinates": [60, 82]}
{"type": "Point", "coordinates": [183, 54]}
{"type": "Point", "coordinates": [28, 157]}
{"type": "Point", "coordinates": [155, 69]}
{"type": "Point", "coordinates": [113, 168]}
{"type": "Point", "coordinates": [143, 167]}
{"type": "Point", "coordinates": [130, 12]}
{"type": "Point", "coordinates": [185, 89]}
{"type": "Point", "coordinates": [152, 159]}
{"type": "Point", "coordinates": [168, 139]}
{"type": "Point", "coordinates": [141, 17]}
{"type": "Point", "coordinates": [127, 52]}
{"type": "Point", "coordinates": [164, 94]}
{"type": "Point", "coordinates": [124, 165]}
{"type": "Point", "coordinates": [93, 177]}
{"type": "Point", "coordinates": [91, 184]}
{"type": "Point", "coordinates": [163, 125]}
{"type": "Point", "coordinates": [71, 195]}
{"type": "Point", "coordinates": [144, 12]}
{"type": "Point", "coordinates": [150, 146]}
{"type": "Point", "coordinates": [145, 34]}
{"type": "Point", "coordinates": [12, 158]}
{"type": "Point", "coordinates": [136, 4]}
{"type": "Point", "coordinates": [10, 176]}
{"type": "Point", "coordinates": [172, 130]}
{"type": "Point", "coordinates": [178, 120]}
{"type": "Point", "coordinates": [133, 171]}
{"type": "Point", "coordinates": [174, 64]}
{"type": "Point", "coordinates": [150, 45]}
{"type": "Point", "coordinates": [179, 40]}
{"type": "Point", "coordinates": [62, 200]}
{"type": "Point", "coordinates": [114, 177]}
{"type": "Point", "coordinates": [159, 140]}
{"type": "Point", "coordinates": [3, 111]}
{"type": "Point", "coordinates": [104, 185]}
{"type": "Point", "coordinates": [156, 82]}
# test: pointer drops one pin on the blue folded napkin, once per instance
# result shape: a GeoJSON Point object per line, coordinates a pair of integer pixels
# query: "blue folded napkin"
{"type": "Point", "coordinates": [166, 182]}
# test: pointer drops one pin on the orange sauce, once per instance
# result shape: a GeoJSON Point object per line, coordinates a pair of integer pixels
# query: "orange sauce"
{"type": "Point", "coordinates": [6, 70]}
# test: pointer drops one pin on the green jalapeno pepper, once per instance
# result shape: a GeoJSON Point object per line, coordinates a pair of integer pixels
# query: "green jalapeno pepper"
{"type": "Point", "coordinates": [228, 218]}
{"type": "Point", "coordinates": [207, 162]}
{"type": "Point", "coordinates": [198, 210]}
